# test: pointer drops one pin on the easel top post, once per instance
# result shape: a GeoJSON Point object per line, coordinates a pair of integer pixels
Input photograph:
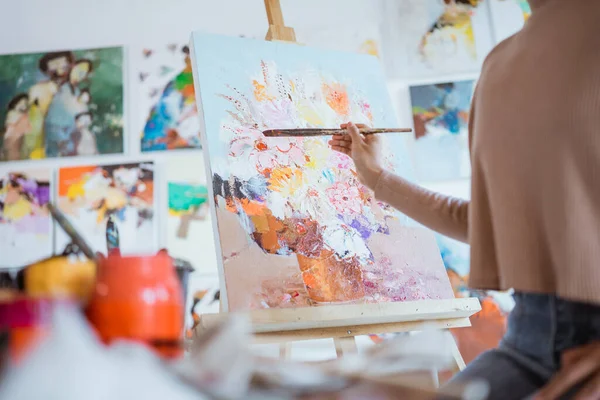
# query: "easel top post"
{"type": "Point", "coordinates": [274, 13]}
{"type": "Point", "coordinates": [277, 28]}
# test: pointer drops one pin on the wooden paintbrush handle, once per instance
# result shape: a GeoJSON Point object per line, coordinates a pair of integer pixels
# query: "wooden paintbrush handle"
{"type": "Point", "coordinates": [328, 132]}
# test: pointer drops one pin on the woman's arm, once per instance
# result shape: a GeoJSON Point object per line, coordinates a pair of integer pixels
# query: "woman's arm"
{"type": "Point", "coordinates": [444, 214]}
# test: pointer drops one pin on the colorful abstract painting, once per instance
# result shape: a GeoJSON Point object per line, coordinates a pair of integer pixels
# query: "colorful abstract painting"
{"type": "Point", "coordinates": [203, 298]}
{"type": "Point", "coordinates": [440, 116]}
{"type": "Point", "coordinates": [509, 17]}
{"type": "Point", "coordinates": [88, 195]}
{"type": "Point", "coordinates": [61, 104]}
{"type": "Point", "coordinates": [429, 37]}
{"type": "Point", "coordinates": [189, 227]}
{"type": "Point", "coordinates": [487, 326]}
{"type": "Point", "coordinates": [25, 222]}
{"type": "Point", "coordinates": [295, 228]}
{"type": "Point", "coordinates": [165, 102]}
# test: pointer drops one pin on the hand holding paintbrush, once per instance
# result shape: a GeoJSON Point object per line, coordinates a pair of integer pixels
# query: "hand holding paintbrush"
{"type": "Point", "coordinates": [365, 150]}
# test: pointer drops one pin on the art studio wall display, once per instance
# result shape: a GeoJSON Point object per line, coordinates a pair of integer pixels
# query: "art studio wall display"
{"type": "Point", "coordinates": [189, 228]}
{"type": "Point", "coordinates": [509, 17]}
{"type": "Point", "coordinates": [431, 37]}
{"type": "Point", "coordinates": [294, 226]}
{"type": "Point", "coordinates": [25, 222]}
{"type": "Point", "coordinates": [164, 98]}
{"type": "Point", "coordinates": [440, 115]}
{"type": "Point", "coordinates": [88, 195]}
{"type": "Point", "coordinates": [61, 104]}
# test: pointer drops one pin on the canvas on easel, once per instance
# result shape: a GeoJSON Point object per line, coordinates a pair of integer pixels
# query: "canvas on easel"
{"type": "Point", "coordinates": [294, 226]}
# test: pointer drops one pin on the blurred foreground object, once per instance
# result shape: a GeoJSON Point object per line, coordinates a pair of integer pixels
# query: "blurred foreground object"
{"type": "Point", "coordinates": [140, 299]}
{"type": "Point", "coordinates": [68, 276]}
{"type": "Point", "coordinates": [71, 364]}
{"type": "Point", "coordinates": [27, 321]}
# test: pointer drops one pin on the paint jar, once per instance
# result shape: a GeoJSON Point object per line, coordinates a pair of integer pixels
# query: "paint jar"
{"type": "Point", "coordinates": [329, 279]}
{"type": "Point", "coordinates": [139, 299]}
{"type": "Point", "coordinates": [69, 276]}
{"type": "Point", "coordinates": [27, 321]}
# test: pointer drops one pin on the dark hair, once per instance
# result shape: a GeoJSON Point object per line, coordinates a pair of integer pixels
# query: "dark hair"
{"type": "Point", "coordinates": [45, 60]}
{"type": "Point", "coordinates": [83, 114]}
{"type": "Point", "coordinates": [186, 50]}
{"type": "Point", "coordinates": [13, 103]}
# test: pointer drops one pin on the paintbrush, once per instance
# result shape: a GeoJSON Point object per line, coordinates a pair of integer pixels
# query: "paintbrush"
{"type": "Point", "coordinates": [76, 238]}
{"type": "Point", "coordinates": [327, 132]}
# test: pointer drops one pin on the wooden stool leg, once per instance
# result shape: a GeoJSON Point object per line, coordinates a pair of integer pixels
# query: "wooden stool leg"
{"type": "Point", "coordinates": [345, 345]}
{"type": "Point", "coordinates": [460, 362]}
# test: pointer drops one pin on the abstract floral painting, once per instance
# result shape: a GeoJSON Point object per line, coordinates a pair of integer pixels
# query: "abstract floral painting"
{"type": "Point", "coordinates": [61, 104]}
{"type": "Point", "coordinates": [88, 195]}
{"type": "Point", "coordinates": [25, 222]}
{"type": "Point", "coordinates": [440, 116]}
{"type": "Point", "coordinates": [189, 228]}
{"type": "Point", "coordinates": [294, 226]}
{"type": "Point", "coordinates": [167, 117]}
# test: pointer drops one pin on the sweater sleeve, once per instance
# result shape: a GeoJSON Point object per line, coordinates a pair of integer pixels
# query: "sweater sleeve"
{"type": "Point", "coordinates": [444, 214]}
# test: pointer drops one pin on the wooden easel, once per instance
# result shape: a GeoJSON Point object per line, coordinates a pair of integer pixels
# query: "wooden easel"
{"type": "Point", "coordinates": [344, 322]}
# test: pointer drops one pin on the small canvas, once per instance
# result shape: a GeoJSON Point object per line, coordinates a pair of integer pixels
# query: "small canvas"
{"type": "Point", "coordinates": [440, 117]}
{"type": "Point", "coordinates": [509, 17]}
{"type": "Point", "coordinates": [189, 227]}
{"type": "Point", "coordinates": [165, 102]}
{"type": "Point", "coordinates": [294, 227]}
{"type": "Point", "coordinates": [88, 195]}
{"type": "Point", "coordinates": [61, 104]}
{"type": "Point", "coordinates": [430, 37]}
{"type": "Point", "coordinates": [25, 222]}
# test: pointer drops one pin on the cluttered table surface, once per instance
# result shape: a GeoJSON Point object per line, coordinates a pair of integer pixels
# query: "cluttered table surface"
{"type": "Point", "coordinates": [82, 325]}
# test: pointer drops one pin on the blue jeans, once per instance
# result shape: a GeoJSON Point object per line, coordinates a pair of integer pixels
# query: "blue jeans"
{"type": "Point", "coordinates": [540, 328]}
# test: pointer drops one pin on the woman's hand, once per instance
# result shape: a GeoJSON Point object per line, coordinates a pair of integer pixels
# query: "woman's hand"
{"type": "Point", "coordinates": [365, 151]}
{"type": "Point", "coordinates": [579, 366]}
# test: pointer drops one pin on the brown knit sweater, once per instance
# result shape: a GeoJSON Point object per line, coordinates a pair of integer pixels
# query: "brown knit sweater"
{"type": "Point", "coordinates": [533, 221]}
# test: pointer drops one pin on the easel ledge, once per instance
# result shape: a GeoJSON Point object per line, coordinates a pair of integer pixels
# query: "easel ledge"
{"type": "Point", "coordinates": [307, 323]}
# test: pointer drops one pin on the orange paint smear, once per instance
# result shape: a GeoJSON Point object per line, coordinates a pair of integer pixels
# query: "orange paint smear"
{"type": "Point", "coordinates": [260, 92]}
{"type": "Point", "coordinates": [337, 98]}
{"type": "Point", "coordinates": [70, 176]}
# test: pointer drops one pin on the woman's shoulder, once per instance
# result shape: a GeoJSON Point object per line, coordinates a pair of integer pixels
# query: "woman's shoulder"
{"type": "Point", "coordinates": [501, 49]}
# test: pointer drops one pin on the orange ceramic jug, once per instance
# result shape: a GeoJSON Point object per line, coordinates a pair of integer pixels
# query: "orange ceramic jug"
{"type": "Point", "coordinates": [140, 299]}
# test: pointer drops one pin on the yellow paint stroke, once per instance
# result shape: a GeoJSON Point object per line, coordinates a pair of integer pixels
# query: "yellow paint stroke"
{"type": "Point", "coordinates": [369, 46]}
{"type": "Point", "coordinates": [76, 189]}
{"type": "Point", "coordinates": [286, 180]}
{"type": "Point", "coordinates": [309, 113]}
{"type": "Point", "coordinates": [318, 153]}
